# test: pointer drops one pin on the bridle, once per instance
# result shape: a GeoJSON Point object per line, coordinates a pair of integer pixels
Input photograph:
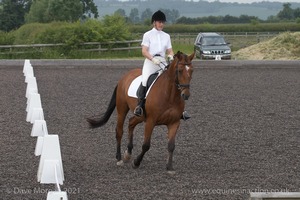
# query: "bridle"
{"type": "Point", "coordinates": [180, 86]}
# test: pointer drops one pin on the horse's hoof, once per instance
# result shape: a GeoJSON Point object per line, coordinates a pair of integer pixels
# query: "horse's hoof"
{"type": "Point", "coordinates": [127, 156]}
{"type": "Point", "coordinates": [120, 163]}
{"type": "Point", "coordinates": [171, 172]}
{"type": "Point", "coordinates": [134, 166]}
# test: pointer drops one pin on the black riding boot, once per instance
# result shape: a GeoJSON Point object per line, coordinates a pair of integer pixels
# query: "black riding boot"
{"type": "Point", "coordinates": [138, 111]}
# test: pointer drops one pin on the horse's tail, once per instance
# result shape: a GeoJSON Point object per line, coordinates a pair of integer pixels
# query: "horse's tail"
{"type": "Point", "coordinates": [100, 121]}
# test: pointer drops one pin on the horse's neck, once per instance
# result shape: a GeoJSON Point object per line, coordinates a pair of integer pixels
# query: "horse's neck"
{"type": "Point", "coordinates": [170, 84]}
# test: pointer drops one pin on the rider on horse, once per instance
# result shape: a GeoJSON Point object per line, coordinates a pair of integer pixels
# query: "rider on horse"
{"type": "Point", "coordinates": [155, 44]}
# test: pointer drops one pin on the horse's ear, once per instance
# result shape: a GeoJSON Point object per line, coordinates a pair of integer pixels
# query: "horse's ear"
{"type": "Point", "coordinates": [191, 57]}
{"type": "Point", "coordinates": [176, 55]}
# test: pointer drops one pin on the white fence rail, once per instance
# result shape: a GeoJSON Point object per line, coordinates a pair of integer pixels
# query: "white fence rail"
{"type": "Point", "coordinates": [182, 38]}
{"type": "Point", "coordinates": [189, 38]}
{"type": "Point", "coordinates": [87, 47]}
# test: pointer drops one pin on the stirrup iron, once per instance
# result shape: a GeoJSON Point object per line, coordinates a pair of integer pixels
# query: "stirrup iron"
{"type": "Point", "coordinates": [138, 111]}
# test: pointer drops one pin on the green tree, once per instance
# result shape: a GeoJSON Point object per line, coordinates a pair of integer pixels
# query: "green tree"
{"type": "Point", "coordinates": [286, 13]}
{"type": "Point", "coordinates": [61, 10]}
{"type": "Point", "coordinates": [273, 18]}
{"type": "Point", "coordinates": [146, 15]}
{"type": "Point", "coordinates": [297, 13]}
{"type": "Point", "coordinates": [115, 28]}
{"type": "Point", "coordinates": [134, 16]}
{"type": "Point", "coordinates": [12, 13]}
{"type": "Point", "coordinates": [90, 8]}
{"type": "Point", "coordinates": [37, 12]}
{"type": "Point", "coordinates": [171, 15]}
{"type": "Point", "coordinates": [121, 12]}
{"type": "Point", "coordinates": [66, 10]}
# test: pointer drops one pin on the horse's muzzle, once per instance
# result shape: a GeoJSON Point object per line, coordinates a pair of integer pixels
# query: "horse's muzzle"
{"type": "Point", "coordinates": [185, 94]}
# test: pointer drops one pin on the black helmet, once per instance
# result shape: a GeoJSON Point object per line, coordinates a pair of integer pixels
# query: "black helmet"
{"type": "Point", "coordinates": [158, 16]}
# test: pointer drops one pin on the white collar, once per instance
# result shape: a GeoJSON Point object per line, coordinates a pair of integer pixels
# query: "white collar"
{"type": "Point", "coordinates": [155, 30]}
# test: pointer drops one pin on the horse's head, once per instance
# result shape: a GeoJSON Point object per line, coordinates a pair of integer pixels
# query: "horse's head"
{"type": "Point", "coordinates": [182, 64]}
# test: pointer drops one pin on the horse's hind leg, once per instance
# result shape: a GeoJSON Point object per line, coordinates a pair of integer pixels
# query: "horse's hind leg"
{"type": "Point", "coordinates": [133, 121]}
{"type": "Point", "coordinates": [119, 135]}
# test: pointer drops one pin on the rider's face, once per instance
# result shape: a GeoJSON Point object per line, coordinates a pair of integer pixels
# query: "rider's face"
{"type": "Point", "coordinates": [159, 25]}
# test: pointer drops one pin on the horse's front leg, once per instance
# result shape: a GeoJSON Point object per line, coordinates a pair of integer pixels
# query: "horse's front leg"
{"type": "Point", "coordinates": [133, 121]}
{"type": "Point", "coordinates": [146, 145]}
{"type": "Point", "coordinates": [172, 130]}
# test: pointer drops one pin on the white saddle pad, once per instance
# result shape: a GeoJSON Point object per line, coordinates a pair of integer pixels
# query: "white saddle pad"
{"type": "Point", "coordinates": [135, 84]}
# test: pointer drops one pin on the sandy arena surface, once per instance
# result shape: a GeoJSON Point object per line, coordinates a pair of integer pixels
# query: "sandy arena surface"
{"type": "Point", "coordinates": [244, 135]}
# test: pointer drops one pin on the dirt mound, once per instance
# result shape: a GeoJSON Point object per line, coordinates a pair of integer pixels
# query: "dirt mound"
{"type": "Point", "coordinates": [285, 46]}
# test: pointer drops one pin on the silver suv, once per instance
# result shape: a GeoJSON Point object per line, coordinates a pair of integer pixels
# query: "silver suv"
{"type": "Point", "coordinates": [212, 46]}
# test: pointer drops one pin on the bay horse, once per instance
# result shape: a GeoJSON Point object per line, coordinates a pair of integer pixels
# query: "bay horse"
{"type": "Point", "coordinates": [164, 106]}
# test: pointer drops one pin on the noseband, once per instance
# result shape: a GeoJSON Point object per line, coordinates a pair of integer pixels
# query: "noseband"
{"type": "Point", "coordinates": [178, 84]}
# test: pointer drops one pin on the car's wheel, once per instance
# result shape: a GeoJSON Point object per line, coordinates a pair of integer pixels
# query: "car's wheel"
{"type": "Point", "coordinates": [200, 56]}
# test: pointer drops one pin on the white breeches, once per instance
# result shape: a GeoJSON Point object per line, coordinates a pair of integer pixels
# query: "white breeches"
{"type": "Point", "coordinates": [150, 68]}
